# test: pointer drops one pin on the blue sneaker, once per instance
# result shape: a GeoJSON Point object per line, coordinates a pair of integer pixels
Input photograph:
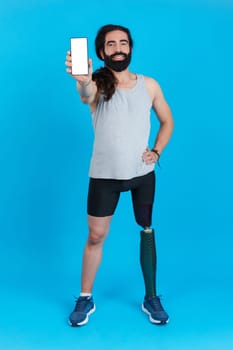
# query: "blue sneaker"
{"type": "Point", "coordinates": [83, 308]}
{"type": "Point", "coordinates": [152, 306]}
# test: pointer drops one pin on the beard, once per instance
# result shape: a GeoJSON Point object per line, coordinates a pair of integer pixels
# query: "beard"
{"type": "Point", "coordinates": [117, 66]}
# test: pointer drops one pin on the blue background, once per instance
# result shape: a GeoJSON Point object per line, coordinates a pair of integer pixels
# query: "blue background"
{"type": "Point", "coordinates": [46, 140]}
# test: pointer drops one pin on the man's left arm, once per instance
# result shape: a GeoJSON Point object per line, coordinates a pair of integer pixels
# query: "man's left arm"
{"type": "Point", "coordinates": [164, 115]}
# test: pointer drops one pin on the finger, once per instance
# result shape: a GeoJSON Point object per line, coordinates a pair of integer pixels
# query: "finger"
{"type": "Point", "coordinates": [90, 66]}
{"type": "Point", "coordinates": [68, 58]}
{"type": "Point", "coordinates": [68, 64]}
{"type": "Point", "coordinates": [149, 157]}
{"type": "Point", "coordinates": [146, 153]}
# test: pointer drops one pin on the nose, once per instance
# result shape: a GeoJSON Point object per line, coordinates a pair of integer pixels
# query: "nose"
{"type": "Point", "coordinates": [118, 47]}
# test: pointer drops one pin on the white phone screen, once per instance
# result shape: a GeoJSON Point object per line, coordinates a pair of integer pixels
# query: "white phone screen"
{"type": "Point", "coordinates": [79, 54]}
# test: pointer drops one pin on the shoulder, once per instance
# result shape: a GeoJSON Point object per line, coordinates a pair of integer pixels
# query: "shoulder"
{"type": "Point", "coordinates": [151, 82]}
{"type": "Point", "coordinates": [152, 86]}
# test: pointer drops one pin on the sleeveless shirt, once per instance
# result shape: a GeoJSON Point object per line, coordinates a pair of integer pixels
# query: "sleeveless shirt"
{"type": "Point", "coordinates": [122, 128]}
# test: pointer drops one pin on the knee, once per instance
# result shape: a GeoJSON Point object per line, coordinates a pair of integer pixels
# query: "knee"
{"type": "Point", "coordinates": [96, 237]}
{"type": "Point", "coordinates": [144, 220]}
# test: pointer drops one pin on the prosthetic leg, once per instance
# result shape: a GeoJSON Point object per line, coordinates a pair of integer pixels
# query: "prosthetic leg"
{"type": "Point", "coordinates": [148, 261]}
{"type": "Point", "coordinates": [143, 215]}
{"type": "Point", "coordinates": [151, 305]}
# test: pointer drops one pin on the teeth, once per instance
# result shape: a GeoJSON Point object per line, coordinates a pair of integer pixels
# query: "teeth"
{"type": "Point", "coordinates": [119, 56]}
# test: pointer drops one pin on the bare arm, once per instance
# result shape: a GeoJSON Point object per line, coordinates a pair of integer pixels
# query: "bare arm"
{"type": "Point", "coordinates": [163, 112]}
{"type": "Point", "coordinates": [85, 85]}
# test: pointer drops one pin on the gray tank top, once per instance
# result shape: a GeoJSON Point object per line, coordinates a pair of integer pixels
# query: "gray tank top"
{"type": "Point", "coordinates": [122, 128]}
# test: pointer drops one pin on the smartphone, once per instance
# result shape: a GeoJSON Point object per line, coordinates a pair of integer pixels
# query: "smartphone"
{"type": "Point", "coordinates": [79, 55]}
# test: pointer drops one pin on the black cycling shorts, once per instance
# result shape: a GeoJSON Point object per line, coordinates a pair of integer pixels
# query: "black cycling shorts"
{"type": "Point", "coordinates": [104, 194]}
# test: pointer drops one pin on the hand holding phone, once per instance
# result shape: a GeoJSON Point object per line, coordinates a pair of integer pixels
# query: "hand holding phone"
{"type": "Point", "coordinates": [79, 55]}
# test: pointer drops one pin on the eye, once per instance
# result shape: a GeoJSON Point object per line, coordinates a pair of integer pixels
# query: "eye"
{"type": "Point", "coordinates": [110, 44]}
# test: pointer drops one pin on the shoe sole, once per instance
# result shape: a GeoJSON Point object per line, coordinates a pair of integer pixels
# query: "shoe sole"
{"type": "Point", "coordinates": [85, 321]}
{"type": "Point", "coordinates": [152, 320]}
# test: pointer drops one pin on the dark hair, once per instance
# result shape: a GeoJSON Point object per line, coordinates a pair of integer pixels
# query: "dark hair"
{"type": "Point", "coordinates": [104, 78]}
{"type": "Point", "coordinates": [100, 37]}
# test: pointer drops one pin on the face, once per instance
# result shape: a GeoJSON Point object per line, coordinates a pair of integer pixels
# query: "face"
{"type": "Point", "coordinates": [117, 52]}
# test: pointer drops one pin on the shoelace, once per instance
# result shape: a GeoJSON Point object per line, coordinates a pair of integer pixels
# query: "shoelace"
{"type": "Point", "coordinates": [156, 304]}
{"type": "Point", "coordinates": [81, 303]}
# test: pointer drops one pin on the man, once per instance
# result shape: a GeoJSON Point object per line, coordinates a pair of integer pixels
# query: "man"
{"type": "Point", "coordinates": [120, 103]}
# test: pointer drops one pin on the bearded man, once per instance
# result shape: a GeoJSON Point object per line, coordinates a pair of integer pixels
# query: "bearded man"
{"type": "Point", "coordinates": [120, 104]}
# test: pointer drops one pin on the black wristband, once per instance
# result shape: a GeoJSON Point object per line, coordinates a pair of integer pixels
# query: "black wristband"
{"type": "Point", "coordinates": [158, 155]}
{"type": "Point", "coordinates": [156, 152]}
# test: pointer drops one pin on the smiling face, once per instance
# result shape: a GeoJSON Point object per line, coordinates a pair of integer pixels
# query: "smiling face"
{"type": "Point", "coordinates": [117, 51]}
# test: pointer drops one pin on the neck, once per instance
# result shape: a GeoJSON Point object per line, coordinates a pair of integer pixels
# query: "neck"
{"type": "Point", "coordinates": [124, 77]}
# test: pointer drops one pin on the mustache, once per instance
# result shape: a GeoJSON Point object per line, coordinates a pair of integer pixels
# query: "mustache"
{"type": "Point", "coordinates": [119, 53]}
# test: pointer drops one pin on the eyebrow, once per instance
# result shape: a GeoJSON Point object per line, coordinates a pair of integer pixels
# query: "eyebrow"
{"type": "Point", "coordinates": [113, 41]}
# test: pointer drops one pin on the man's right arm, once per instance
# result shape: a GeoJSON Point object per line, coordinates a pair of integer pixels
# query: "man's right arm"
{"type": "Point", "coordinates": [87, 91]}
{"type": "Point", "coordinates": [85, 85]}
